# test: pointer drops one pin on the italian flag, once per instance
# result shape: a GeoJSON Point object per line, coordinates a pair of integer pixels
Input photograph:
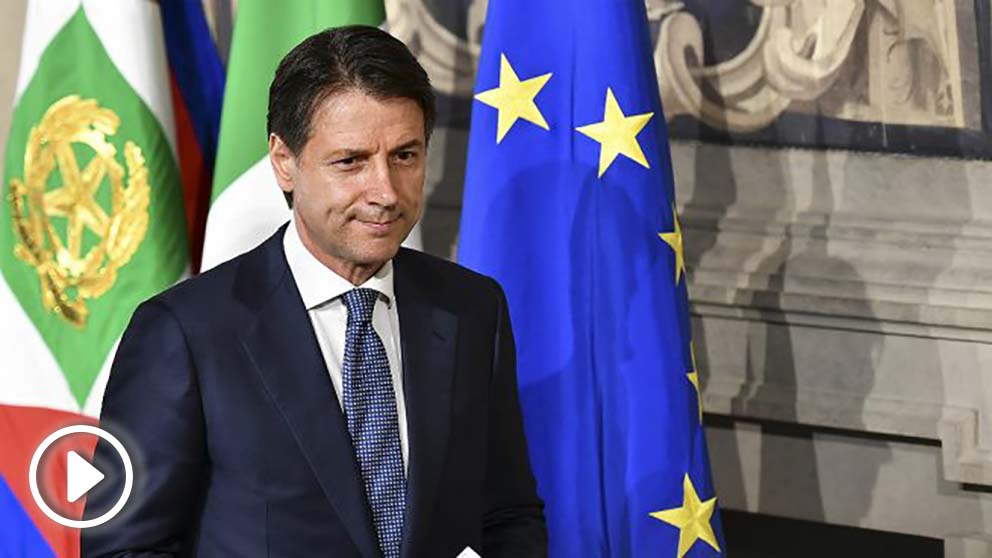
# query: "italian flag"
{"type": "Point", "coordinates": [246, 204]}
{"type": "Point", "coordinates": [91, 224]}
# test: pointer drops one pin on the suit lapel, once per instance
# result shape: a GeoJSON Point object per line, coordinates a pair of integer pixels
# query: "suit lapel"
{"type": "Point", "coordinates": [428, 334]}
{"type": "Point", "coordinates": [284, 349]}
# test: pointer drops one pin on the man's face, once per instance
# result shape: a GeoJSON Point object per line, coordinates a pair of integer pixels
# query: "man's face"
{"type": "Point", "coordinates": [358, 182]}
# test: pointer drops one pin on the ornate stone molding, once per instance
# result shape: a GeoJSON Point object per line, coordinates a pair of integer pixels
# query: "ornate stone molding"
{"type": "Point", "coordinates": [906, 57]}
{"type": "Point", "coordinates": [747, 101]}
{"type": "Point", "coordinates": [784, 62]}
{"type": "Point", "coordinates": [964, 459]}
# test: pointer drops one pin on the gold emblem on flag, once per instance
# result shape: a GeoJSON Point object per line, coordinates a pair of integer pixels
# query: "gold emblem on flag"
{"type": "Point", "coordinates": [73, 241]}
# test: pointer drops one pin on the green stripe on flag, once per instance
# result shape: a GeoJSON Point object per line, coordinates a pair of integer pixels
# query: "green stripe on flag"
{"type": "Point", "coordinates": [76, 63]}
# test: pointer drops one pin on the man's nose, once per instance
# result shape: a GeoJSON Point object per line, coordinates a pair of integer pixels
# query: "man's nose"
{"type": "Point", "coordinates": [382, 188]}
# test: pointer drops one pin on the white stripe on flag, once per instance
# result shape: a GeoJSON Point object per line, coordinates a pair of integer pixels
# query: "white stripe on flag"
{"type": "Point", "coordinates": [29, 375]}
{"type": "Point", "coordinates": [44, 19]}
{"type": "Point", "coordinates": [245, 214]}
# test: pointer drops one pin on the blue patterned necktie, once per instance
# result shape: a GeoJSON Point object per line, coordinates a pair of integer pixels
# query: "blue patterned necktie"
{"type": "Point", "coordinates": [370, 408]}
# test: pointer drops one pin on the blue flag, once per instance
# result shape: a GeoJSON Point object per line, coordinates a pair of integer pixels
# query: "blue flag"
{"type": "Point", "coordinates": [569, 203]}
{"type": "Point", "coordinates": [19, 538]}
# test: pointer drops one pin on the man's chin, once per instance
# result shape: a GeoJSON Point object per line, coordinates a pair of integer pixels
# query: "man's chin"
{"type": "Point", "coordinates": [377, 252]}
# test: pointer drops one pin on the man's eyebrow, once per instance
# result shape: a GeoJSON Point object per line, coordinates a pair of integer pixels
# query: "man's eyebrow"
{"type": "Point", "coordinates": [349, 153]}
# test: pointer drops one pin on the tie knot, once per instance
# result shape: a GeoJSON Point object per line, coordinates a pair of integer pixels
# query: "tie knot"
{"type": "Point", "coordinates": [361, 303]}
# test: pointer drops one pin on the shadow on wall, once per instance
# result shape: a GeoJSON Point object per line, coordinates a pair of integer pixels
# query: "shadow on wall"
{"type": "Point", "coordinates": [789, 469]}
{"type": "Point", "coordinates": [789, 480]}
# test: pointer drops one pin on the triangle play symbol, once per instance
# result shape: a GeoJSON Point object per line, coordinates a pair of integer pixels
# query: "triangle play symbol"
{"type": "Point", "coordinates": [81, 477]}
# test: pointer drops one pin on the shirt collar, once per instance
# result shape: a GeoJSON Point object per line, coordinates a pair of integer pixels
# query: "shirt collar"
{"type": "Point", "coordinates": [317, 283]}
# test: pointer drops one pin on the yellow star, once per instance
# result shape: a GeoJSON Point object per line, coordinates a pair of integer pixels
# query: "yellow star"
{"type": "Point", "coordinates": [693, 376]}
{"type": "Point", "coordinates": [617, 134]}
{"type": "Point", "coordinates": [674, 239]}
{"type": "Point", "coordinates": [514, 99]}
{"type": "Point", "coordinates": [692, 519]}
{"type": "Point", "coordinates": [76, 199]}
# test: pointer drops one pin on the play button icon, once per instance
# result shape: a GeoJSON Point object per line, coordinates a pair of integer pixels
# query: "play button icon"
{"type": "Point", "coordinates": [80, 476]}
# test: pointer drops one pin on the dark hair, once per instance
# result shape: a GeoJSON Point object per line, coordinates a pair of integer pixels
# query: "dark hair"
{"type": "Point", "coordinates": [355, 56]}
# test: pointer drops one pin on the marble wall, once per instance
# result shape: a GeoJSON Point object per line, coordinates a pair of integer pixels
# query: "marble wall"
{"type": "Point", "coordinates": [841, 305]}
{"type": "Point", "coordinates": [11, 27]}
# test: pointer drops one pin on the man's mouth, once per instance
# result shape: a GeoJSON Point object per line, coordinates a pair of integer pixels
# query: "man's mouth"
{"type": "Point", "coordinates": [380, 226]}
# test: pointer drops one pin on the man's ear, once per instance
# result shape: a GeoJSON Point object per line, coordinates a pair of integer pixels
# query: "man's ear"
{"type": "Point", "coordinates": [283, 163]}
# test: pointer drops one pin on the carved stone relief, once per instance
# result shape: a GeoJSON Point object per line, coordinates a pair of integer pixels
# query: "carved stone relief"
{"type": "Point", "coordinates": [892, 61]}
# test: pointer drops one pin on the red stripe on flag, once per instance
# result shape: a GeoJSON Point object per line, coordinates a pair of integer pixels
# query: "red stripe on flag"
{"type": "Point", "coordinates": [22, 429]}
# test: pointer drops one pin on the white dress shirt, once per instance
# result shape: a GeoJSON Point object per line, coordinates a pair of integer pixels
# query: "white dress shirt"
{"type": "Point", "coordinates": [321, 290]}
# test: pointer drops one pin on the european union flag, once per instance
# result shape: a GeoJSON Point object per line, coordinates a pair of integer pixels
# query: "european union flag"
{"type": "Point", "coordinates": [569, 203]}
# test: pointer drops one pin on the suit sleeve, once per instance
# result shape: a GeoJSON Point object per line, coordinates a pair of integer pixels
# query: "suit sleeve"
{"type": "Point", "coordinates": [152, 403]}
{"type": "Point", "coordinates": [514, 524]}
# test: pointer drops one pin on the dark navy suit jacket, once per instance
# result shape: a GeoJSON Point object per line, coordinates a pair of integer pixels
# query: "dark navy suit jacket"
{"type": "Point", "coordinates": [220, 391]}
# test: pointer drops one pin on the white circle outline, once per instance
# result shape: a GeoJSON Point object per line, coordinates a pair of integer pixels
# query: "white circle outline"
{"type": "Point", "coordinates": [36, 460]}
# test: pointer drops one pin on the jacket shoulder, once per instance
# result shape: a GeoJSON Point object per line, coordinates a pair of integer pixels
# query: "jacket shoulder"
{"type": "Point", "coordinates": [447, 276]}
{"type": "Point", "coordinates": [230, 284]}
{"type": "Point", "coordinates": [206, 286]}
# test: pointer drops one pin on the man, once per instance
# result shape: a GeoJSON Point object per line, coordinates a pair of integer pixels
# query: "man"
{"type": "Point", "coordinates": [327, 393]}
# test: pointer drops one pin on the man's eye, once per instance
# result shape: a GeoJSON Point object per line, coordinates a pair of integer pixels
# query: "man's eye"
{"type": "Point", "coordinates": [406, 155]}
{"type": "Point", "coordinates": [346, 162]}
